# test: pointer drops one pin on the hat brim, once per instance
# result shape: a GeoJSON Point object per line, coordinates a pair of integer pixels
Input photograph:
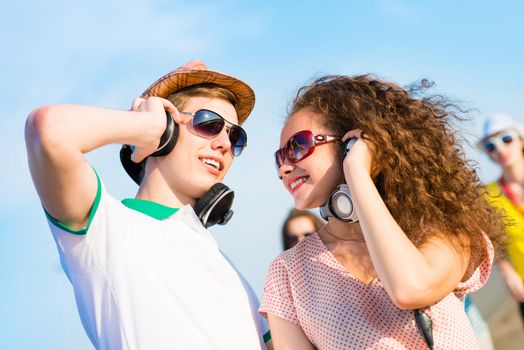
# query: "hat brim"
{"type": "Point", "coordinates": [180, 79]}
{"type": "Point", "coordinates": [518, 128]}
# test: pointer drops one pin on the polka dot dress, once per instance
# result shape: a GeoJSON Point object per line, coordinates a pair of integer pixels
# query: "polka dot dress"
{"type": "Point", "coordinates": [307, 286]}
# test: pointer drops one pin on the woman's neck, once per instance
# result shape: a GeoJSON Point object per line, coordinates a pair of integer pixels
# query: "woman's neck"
{"type": "Point", "coordinates": [339, 231]}
{"type": "Point", "coordinates": [514, 173]}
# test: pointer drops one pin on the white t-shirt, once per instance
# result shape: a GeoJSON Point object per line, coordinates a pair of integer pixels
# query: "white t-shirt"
{"type": "Point", "coordinates": [142, 281]}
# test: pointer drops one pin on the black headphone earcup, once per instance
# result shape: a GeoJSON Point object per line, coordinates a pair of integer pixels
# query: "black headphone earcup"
{"type": "Point", "coordinates": [134, 170]}
{"type": "Point", "coordinates": [214, 207]}
{"type": "Point", "coordinates": [170, 145]}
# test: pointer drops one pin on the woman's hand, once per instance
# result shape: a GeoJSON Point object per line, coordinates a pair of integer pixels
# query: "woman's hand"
{"type": "Point", "coordinates": [360, 157]}
{"type": "Point", "coordinates": [157, 108]}
{"type": "Point", "coordinates": [414, 277]}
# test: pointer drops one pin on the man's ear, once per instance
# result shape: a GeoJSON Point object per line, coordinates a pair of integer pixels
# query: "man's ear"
{"type": "Point", "coordinates": [185, 118]}
{"type": "Point", "coordinates": [168, 139]}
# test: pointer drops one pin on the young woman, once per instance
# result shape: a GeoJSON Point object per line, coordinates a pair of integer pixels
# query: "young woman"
{"type": "Point", "coordinates": [425, 235]}
{"type": "Point", "coordinates": [502, 141]}
{"type": "Point", "coordinates": [298, 225]}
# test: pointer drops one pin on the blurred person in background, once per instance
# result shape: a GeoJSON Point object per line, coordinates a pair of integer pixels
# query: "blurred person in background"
{"type": "Point", "coordinates": [480, 327]}
{"type": "Point", "coordinates": [502, 140]}
{"type": "Point", "coordinates": [298, 225]}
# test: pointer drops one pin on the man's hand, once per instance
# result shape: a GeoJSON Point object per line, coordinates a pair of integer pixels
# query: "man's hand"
{"type": "Point", "coordinates": [156, 107]}
{"type": "Point", "coordinates": [193, 65]}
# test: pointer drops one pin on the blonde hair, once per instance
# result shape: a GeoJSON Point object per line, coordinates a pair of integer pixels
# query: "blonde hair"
{"type": "Point", "coordinates": [180, 97]}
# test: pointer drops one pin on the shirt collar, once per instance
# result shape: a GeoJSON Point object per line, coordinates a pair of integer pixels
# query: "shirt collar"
{"type": "Point", "coordinates": [152, 209]}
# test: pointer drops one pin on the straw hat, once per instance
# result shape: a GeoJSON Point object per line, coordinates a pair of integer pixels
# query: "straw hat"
{"type": "Point", "coordinates": [192, 73]}
{"type": "Point", "coordinates": [196, 72]}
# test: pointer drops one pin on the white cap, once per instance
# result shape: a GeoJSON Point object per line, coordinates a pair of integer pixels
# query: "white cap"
{"type": "Point", "coordinates": [499, 122]}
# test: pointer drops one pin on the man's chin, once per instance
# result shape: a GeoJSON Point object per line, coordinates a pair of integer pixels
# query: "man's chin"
{"type": "Point", "coordinates": [204, 188]}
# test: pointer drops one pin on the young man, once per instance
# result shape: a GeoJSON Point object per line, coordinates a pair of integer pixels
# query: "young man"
{"type": "Point", "coordinates": [146, 273]}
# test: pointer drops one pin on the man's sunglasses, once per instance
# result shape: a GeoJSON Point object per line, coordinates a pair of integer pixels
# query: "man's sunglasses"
{"type": "Point", "coordinates": [300, 146]}
{"type": "Point", "coordinates": [492, 143]}
{"type": "Point", "coordinates": [209, 124]}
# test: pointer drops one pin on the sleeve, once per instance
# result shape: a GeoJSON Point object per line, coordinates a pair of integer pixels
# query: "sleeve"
{"type": "Point", "coordinates": [90, 248]}
{"type": "Point", "coordinates": [278, 297]}
{"type": "Point", "coordinates": [262, 324]}
{"type": "Point", "coordinates": [57, 224]}
{"type": "Point", "coordinates": [480, 275]}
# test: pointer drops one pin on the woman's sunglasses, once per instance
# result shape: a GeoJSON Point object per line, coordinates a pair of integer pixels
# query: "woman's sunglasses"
{"type": "Point", "coordinates": [209, 124]}
{"type": "Point", "coordinates": [300, 146]}
{"type": "Point", "coordinates": [292, 240]}
{"type": "Point", "coordinates": [492, 143]}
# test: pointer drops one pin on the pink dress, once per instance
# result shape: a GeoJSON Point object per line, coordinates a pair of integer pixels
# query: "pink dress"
{"type": "Point", "coordinates": [307, 286]}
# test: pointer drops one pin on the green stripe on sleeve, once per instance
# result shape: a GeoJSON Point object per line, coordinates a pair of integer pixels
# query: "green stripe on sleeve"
{"type": "Point", "coordinates": [83, 230]}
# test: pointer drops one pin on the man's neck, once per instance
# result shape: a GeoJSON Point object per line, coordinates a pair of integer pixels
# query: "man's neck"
{"type": "Point", "coordinates": [160, 192]}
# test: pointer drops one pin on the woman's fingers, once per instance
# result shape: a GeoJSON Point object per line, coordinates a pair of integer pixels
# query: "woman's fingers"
{"type": "Point", "coordinates": [355, 133]}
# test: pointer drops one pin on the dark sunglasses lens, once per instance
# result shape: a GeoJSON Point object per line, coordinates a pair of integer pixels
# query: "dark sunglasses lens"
{"type": "Point", "coordinates": [489, 146]}
{"type": "Point", "coordinates": [291, 241]}
{"type": "Point", "coordinates": [299, 146]}
{"type": "Point", "coordinates": [279, 159]}
{"type": "Point", "coordinates": [238, 139]}
{"type": "Point", "coordinates": [207, 123]}
{"type": "Point", "coordinates": [507, 138]}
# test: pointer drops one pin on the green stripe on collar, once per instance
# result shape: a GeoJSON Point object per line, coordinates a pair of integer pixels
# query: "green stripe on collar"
{"type": "Point", "coordinates": [153, 209]}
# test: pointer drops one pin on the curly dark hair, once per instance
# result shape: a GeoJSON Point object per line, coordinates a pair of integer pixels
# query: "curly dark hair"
{"type": "Point", "coordinates": [420, 169]}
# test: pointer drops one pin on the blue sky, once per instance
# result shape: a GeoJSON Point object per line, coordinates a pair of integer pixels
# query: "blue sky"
{"type": "Point", "coordinates": [105, 53]}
